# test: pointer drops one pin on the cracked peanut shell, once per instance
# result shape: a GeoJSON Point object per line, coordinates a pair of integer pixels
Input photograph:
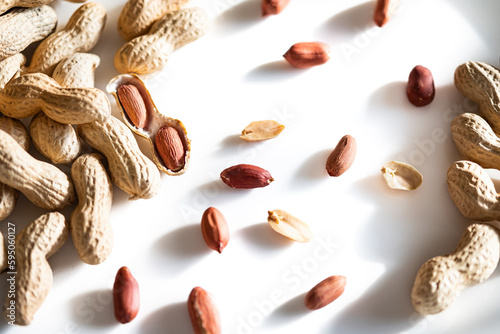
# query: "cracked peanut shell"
{"type": "Point", "coordinates": [145, 114]}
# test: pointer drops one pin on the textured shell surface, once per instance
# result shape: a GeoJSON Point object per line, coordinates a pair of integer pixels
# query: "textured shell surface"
{"type": "Point", "coordinates": [28, 25]}
{"type": "Point", "coordinates": [137, 16]}
{"type": "Point", "coordinates": [5, 5]}
{"type": "Point", "coordinates": [42, 183]}
{"type": "Point", "coordinates": [480, 82]}
{"type": "Point", "coordinates": [90, 227]}
{"type": "Point", "coordinates": [476, 140]}
{"type": "Point", "coordinates": [34, 245]}
{"type": "Point", "coordinates": [10, 67]}
{"type": "Point", "coordinates": [129, 168]}
{"type": "Point", "coordinates": [473, 191]}
{"type": "Point", "coordinates": [81, 34]}
{"type": "Point", "coordinates": [148, 54]}
{"type": "Point", "coordinates": [78, 70]}
{"type": "Point", "coordinates": [441, 280]}
{"type": "Point", "coordinates": [8, 195]}
{"type": "Point", "coordinates": [26, 95]}
{"type": "Point", "coordinates": [56, 141]}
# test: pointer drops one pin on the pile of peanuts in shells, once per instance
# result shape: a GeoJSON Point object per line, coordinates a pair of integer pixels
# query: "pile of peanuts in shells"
{"type": "Point", "coordinates": [52, 104]}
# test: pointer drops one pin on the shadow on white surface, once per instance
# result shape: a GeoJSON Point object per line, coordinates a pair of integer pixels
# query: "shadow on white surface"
{"type": "Point", "coordinates": [237, 150]}
{"type": "Point", "coordinates": [384, 308]}
{"type": "Point", "coordinates": [274, 70]}
{"type": "Point", "coordinates": [391, 96]}
{"type": "Point", "coordinates": [94, 309]}
{"type": "Point", "coordinates": [400, 236]}
{"type": "Point", "coordinates": [292, 310]}
{"type": "Point", "coordinates": [239, 17]}
{"type": "Point", "coordinates": [232, 141]}
{"type": "Point", "coordinates": [487, 29]}
{"type": "Point", "coordinates": [172, 319]}
{"type": "Point", "coordinates": [263, 238]}
{"type": "Point", "coordinates": [392, 99]}
{"type": "Point", "coordinates": [66, 259]}
{"type": "Point", "coordinates": [221, 191]}
{"type": "Point", "coordinates": [120, 197]}
{"type": "Point", "coordinates": [313, 169]}
{"type": "Point", "coordinates": [405, 232]}
{"type": "Point", "coordinates": [426, 150]}
{"type": "Point", "coordinates": [229, 147]}
{"type": "Point", "coordinates": [346, 25]}
{"type": "Point", "coordinates": [179, 249]}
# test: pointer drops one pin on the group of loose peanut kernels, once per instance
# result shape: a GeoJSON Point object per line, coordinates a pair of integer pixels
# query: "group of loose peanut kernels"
{"type": "Point", "coordinates": [57, 92]}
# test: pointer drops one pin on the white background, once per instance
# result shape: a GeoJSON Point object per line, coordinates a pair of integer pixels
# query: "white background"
{"type": "Point", "coordinates": [378, 238]}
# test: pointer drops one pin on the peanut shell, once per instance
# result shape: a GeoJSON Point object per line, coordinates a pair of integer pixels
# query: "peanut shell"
{"type": "Point", "coordinates": [35, 244]}
{"type": "Point", "coordinates": [8, 195]}
{"type": "Point", "coordinates": [77, 70]}
{"type": "Point", "coordinates": [28, 94]}
{"type": "Point", "coordinates": [154, 121]}
{"type": "Point", "coordinates": [476, 140]}
{"type": "Point", "coordinates": [89, 222]}
{"type": "Point", "coordinates": [56, 141]}
{"type": "Point", "coordinates": [10, 67]}
{"type": "Point", "coordinates": [480, 82]}
{"type": "Point", "coordinates": [17, 130]}
{"type": "Point", "coordinates": [137, 16]}
{"type": "Point", "coordinates": [442, 279]}
{"type": "Point", "coordinates": [129, 168]}
{"type": "Point", "coordinates": [42, 183]}
{"type": "Point", "coordinates": [81, 34]}
{"type": "Point", "coordinates": [21, 27]}
{"type": "Point", "coordinates": [473, 191]}
{"type": "Point", "coordinates": [149, 53]}
{"type": "Point", "coordinates": [5, 5]}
